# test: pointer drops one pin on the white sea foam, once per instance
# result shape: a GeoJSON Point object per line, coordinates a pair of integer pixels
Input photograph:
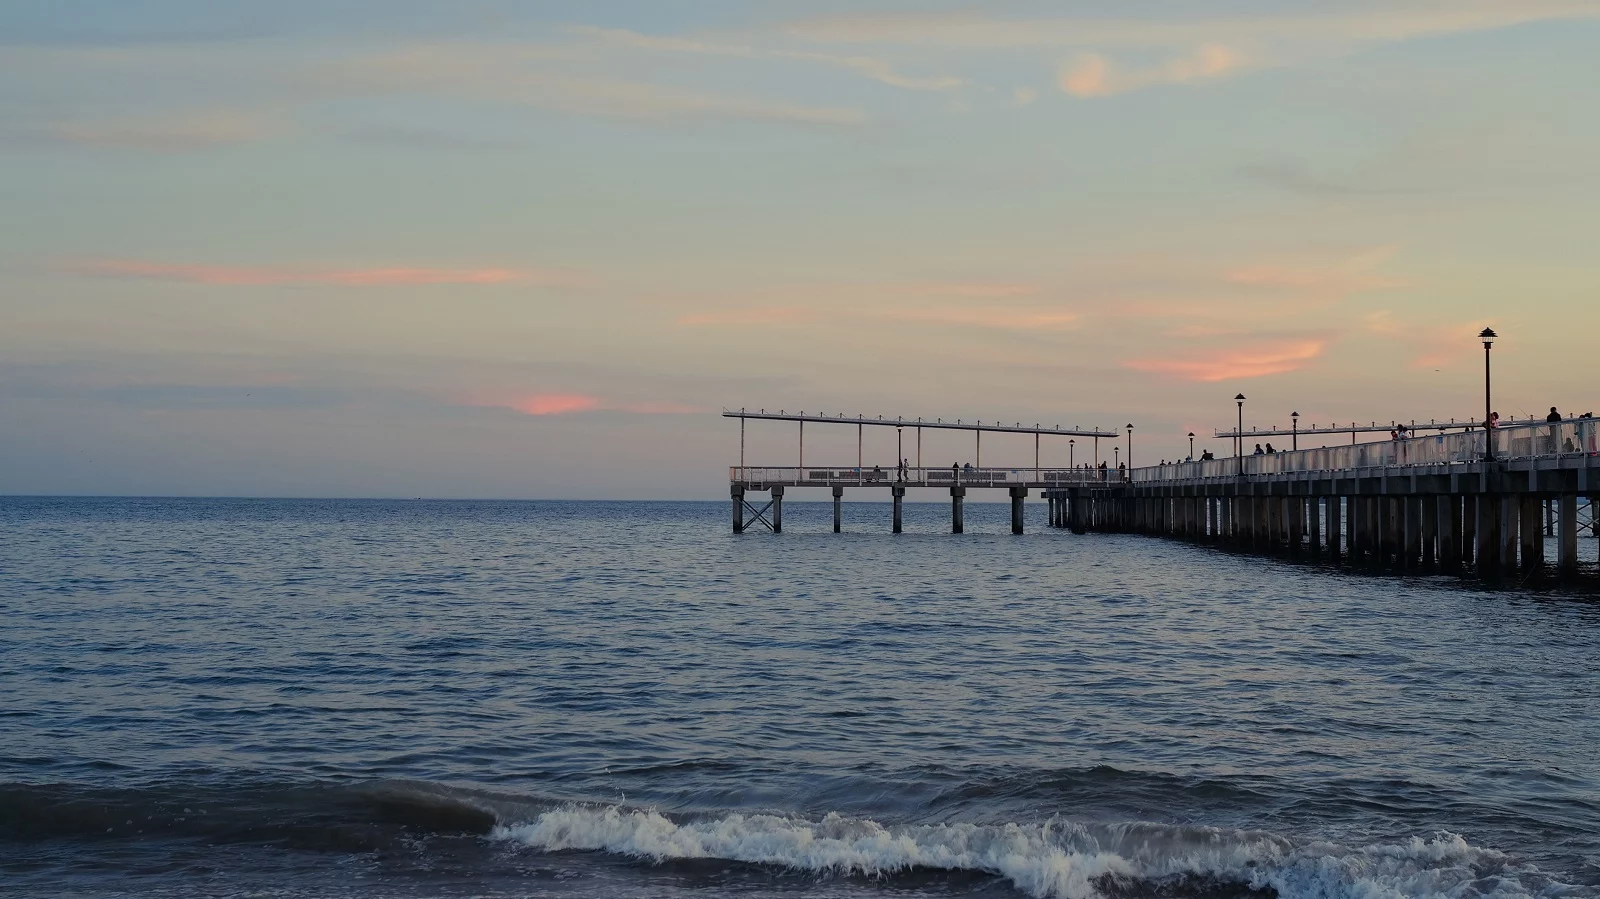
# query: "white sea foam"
{"type": "Point", "coordinates": [1059, 858]}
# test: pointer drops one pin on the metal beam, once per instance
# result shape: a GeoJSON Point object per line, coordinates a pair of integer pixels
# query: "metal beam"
{"type": "Point", "coordinates": [957, 425]}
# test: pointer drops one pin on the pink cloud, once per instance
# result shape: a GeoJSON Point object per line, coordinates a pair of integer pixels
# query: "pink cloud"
{"type": "Point", "coordinates": [542, 404]}
{"type": "Point", "coordinates": [1251, 361]}
{"type": "Point", "coordinates": [265, 276]}
{"type": "Point", "coordinates": [554, 403]}
{"type": "Point", "coordinates": [1092, 75]}
{"type": "Point", "coordinates": [764, 316]}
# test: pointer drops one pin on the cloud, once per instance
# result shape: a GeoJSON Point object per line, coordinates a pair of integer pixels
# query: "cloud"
{"type": "Point", "coordinates": [1092, 75]}
{"type": "Point", "coordinates": [1352, 275]}
{"type": "Point", "coordinates": [163, 133]}
{"type": "Point", "coordinates": [1249, 361]}
{"type": "Point", "coordinates": [987, 317]}
{"type": "Point", "coordinates": [654, 102]}
{"type": "Point", "coordinates": [736, 317]}
{"type": "Point", "coordinates": [1298, 179]}
{"type": "Point", "coordinates": [260, 276]}
{"type": "Point", "coordinates": [553, 403]}
{"type": "Point", "coordinates": [992, 319]}
{"type": "Point", "coordinates": [1378, 22]}
{"type": "Point", "coordinates": [1433, 346]}
{"type": "Point", "coordinates": [543, 404]}
{"type": "Point", "coordinates": [522, 74]}
{"type": "Point", "coordinates": [876, 69]}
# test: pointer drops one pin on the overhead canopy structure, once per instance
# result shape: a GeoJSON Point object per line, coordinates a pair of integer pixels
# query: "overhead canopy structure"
{"type": "Point", "coordinates": [881, 421]}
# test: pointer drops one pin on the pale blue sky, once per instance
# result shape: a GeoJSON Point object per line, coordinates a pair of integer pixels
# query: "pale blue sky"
{"type": "Point", "coordinates": [529, 249]}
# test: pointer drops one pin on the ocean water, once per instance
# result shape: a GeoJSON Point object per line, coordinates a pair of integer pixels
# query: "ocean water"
{"type": "Point", "coordinates": [402, 699]}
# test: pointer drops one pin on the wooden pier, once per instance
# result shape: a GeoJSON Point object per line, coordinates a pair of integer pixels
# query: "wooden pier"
{"type": "Point", "coordinates": [1478, 501]}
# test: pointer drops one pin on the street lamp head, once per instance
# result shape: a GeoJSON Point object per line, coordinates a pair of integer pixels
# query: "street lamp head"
{"type": "Point", "coordinates": [1294, 415]}
{"type": "Point", "coordinates": [1129, 426]}
{"type": "Point", "coordinates": [1239, 398]}
{"type": "Point", "coordinates": [1191, 433]}
{"type": "Point", "coordinates": [1487, 336]}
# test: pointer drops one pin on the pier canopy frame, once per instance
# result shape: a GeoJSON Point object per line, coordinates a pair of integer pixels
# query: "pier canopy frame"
{"type": "Point", "coordinates": [861, 422]}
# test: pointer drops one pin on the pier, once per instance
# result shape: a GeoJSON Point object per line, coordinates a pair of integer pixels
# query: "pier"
{"type": "Point", "coordinates": [1457, 501]}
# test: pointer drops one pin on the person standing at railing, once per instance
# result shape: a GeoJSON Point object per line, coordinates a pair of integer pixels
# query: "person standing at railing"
{"type": "Point", "coordinates": [1259, 451]}
{"type": "Point", "coordinates": [1554, 418]}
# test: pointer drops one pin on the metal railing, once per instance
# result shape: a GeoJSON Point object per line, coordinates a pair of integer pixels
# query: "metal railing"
{"type": "Point", "coordinates": [819, 476]}
{"type": "Point", "coordinates": [1572, 437]}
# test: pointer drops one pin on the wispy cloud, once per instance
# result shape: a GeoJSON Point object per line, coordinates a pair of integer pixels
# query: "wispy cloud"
{"type": "Point", "coordinates": [544, 76]}
{"type": "Point", "coordinates": [554, 403]}
{"type": "Point", "coordinates": [261, 276]}
{"type": "Point", "coordinates": [1302, 180]}
{"type": "Point", "coordinates": [1092, 75]}
{"type": "Point", "coordinates": [1377, 22]}
{"type": "Point", "coordinates": [563, 403]}
{"type": "Point", "coordinates": [739, 317]}
{"type": "Point", "coordinates": [163, 133]}
{"type": "Point", "coordinates": [1355, 274]}
{"type": "Point", "coordinates": [1251, 360]}
{"type": "Point", "coordinates": [870, 67]}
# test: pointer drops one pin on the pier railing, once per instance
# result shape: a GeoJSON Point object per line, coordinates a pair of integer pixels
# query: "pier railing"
{"type": "Point", "coordinates": [819, 476]}
{"type": "Point", "coordinates": [1575, 437]}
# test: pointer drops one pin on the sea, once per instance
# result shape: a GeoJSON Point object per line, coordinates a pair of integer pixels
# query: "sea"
{"type": "Point", "coordinates": [416, 698]}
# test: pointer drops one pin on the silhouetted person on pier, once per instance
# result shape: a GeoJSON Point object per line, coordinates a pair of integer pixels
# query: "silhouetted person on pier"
{"type": "Point", "coordinates": [1494, 420]}
{"type": "Point", "coordinates": [1554, 415]}
{"type": "Point", "coordinates": [1270, 450]}
{"type": "Point", "coordinates": [877, 473]}
{"type": "Point", "coordinates": [1259, 451]}
{"type": "Point", "coordinates": [1122, 471]}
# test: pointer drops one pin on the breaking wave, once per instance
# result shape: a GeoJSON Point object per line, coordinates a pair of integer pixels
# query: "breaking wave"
{"type": "Point", "coordinates": [1058, 858]}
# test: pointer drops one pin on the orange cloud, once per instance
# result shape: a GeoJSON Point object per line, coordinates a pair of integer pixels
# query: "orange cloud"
{"type": "Point", "coordinates": [1092, 75]}
{"type": "Point", "coordinates": [262, 276]}
{"type": "Point", "coordinates": [1253, 361]}
{"type": "Point", "coordinates": [554, 403]}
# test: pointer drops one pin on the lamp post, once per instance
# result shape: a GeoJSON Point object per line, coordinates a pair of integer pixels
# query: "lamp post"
{"type": "Point", "coordinates": [1238, 440]}
{"type": "Point", "coordinates": [1116, 457]}
{"type": "Point", "coordinates": [1487, 336]}
{"type": "Point", "coordinates": [899, 448]}
{"type": "Point", "coordinates": [1295, 417]}
{"type": "Point", "coordinates": [1072, 449]}
{"type": "Point", "coordinates": [1130, 447]}
{"type": "Point", "coordinates": [1191, 446]}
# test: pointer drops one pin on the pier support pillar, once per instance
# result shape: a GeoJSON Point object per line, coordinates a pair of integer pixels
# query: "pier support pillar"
{"type": "Point", "coordinates": [1018, 494]}
{"type": "Point", "coordinates": [1488, 530]}
{"type": "Point", "coordinates": [738, 508]}
{"type": "Point", "coordinates": [1335, 527]}
{"type": "Point", "coordinates": [1297, 525]}
{"type": "Point", "coordinates": [777, 510]}
{"type": "Point", "coordinates": [1510, 515]}
{"type": "Point", "coordinates": [1532, 530]}
{"type": "Point", "coordinates": [1567, 534]}
{"type": "Point", "coordinates": [1411, 547]}
{"type": "Point", "coordinates": [957, 496]}
{"type": "Point", "coordinates": [1469, 529]}
{"type": "Point", "coordinates": [1429, 507]}
{"type": "Point", "coordinates": [838, 500]}
{"type": "Point", "coordinates": [899, 495]}
{"type": "Point", "coordinates": [1314, 526]}
{"type": "Point", "coordinates": [1447, 512]}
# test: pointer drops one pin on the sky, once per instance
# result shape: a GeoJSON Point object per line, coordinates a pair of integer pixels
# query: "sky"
{"type": "Point", "coordinates": [532, 249]}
